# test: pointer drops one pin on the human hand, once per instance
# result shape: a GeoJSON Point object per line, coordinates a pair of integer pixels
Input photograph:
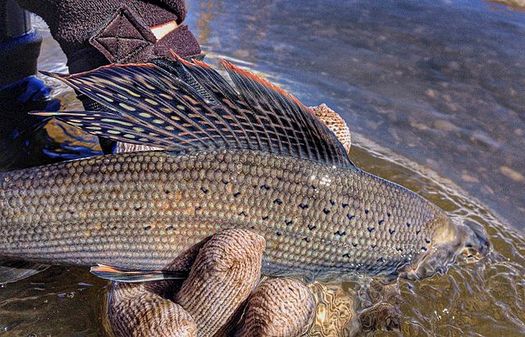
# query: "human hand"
{"type": "Point", "coordinates": [223, 296]}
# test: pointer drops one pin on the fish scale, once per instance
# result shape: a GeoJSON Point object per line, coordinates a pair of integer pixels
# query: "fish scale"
{"type": "Point", "coordinates": [141, 210]}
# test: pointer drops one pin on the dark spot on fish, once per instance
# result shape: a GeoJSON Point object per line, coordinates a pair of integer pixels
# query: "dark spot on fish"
{"type": "Point", "coordinates": [236, 194]}
{"type": "Point", "coordinates": [147, 228]}
{"type": "Point", "coordinates": [373, 246]}
{"type": "Point", "coordinates": [371, 229]}
{"type": "Point", "coordinates": [312, 227]}
{"type": "Point", "coordinates": [313, 187]}
{"type": "Point", "coordinates": [265, 187]}
{"type": "Point", "coordinates": [350, 216]}
{"type": "Point", "coordinates": [418, 231]}
{"type": "Point", "coordinates": [340, 233]}
{"type": "Point", "coordinates": [278, 233]}
{"type": "Point", "coordinates": [346, 255]}
{"type": "Point", "coordinates": [367, 211]}
{"type": "Point", "coordinates": [388, 214]}
{"type": "Point", "coordinates": [345, 205]}
{"type": "Point", "coordinates": [380, 222]}
{"type": "Point", "coordinates": [114, 228]}
{"type": "Point", "coordinates": [70, 211]}
{"type": "Point", "coordinates": [391, 231]}
{"type": "Point", "coordinates": [278, 201]}
{"type": "Point", "coordinates": [170, 228]}
{"type": "Point", "coordinates": [408, 224]}
{"type": "Point", "coordinates": [265, 217]}
{"type": "Point", "coordinates": [332, 202]}
{"type": "Point", "coordinates": [354, 244]}
{"type": "Point", "coordinates": [303, 206]}
{"type": "Point", "coordinates": [197, 208]}
{"type": "Point", "coordinates": [380, 260]}
{"type": "Point", "coordinates": [399, 249]}
{"type": "Point", "coordinates": [288, 222]}
{"type": "Point", "coordinates": [242, 213]}
{"type": "Point", "coordinates": [252, 227]}
{"type": "Point", "coordinates": [167, 191]}
{"type": "Point", "coordinates": [307, 239]}
{"type": "Point", "coordinates": [204, 190]}
{"type": "Point", "coordinates": [427, 240]}
{"type": "Point", "coordinates": [114, 208]}
{"type": "Point", "coordinates": [424, 249]}
{"type": "Point", "coordinates": [225, 182]}
{"type": "Point", "coordinates": [326, 211]}
{"type": "Point", "coordinates": [138, 208]}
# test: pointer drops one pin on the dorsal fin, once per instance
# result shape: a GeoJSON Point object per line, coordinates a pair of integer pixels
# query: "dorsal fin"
{"type": "Point", "coordinates": [188, 106]}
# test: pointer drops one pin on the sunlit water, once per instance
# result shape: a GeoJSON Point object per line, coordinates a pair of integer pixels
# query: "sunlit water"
{"type": "Point", "coordinates": [434, 95]}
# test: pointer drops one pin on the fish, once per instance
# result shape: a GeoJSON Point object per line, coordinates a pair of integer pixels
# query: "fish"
{"type": "Point", "coordinates": [228, 153]}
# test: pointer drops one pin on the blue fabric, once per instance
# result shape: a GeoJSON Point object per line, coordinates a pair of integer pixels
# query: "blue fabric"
{"type": "Point", "coordinates": [13, 43]}
{"type": "Point", "coordinates": [28, 91]}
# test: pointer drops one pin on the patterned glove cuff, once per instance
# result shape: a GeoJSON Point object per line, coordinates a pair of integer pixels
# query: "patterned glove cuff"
{"type": "Point", "coordinates": [126, 38]}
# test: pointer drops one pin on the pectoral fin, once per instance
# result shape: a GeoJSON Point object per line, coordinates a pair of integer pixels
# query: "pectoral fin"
{"type": "Point", "coordinates": [135, 276]}
{"type": "Point", "coordinates": [13, 271]}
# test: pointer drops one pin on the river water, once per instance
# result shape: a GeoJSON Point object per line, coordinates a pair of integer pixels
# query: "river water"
{"type": "Point", "coordinates": [434, 93]}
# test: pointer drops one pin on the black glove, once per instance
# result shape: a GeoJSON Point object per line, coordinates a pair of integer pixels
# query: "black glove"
{"type": "Point", "coordinates": [94, 33]}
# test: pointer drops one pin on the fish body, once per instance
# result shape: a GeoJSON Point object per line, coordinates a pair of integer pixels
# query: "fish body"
{"type": "Point", "coordinates": [141, 210]}
{"type": "Point", "coordinates": [252, 157]}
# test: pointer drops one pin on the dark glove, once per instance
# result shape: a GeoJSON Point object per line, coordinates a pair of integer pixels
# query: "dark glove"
{"type": "Point", "coordinates": [95, 33]}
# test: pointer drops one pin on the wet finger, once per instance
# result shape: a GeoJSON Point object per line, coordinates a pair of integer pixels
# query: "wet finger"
{"type": "Point", "coordinates": [278, 308]}
{"type": "Point", "coordinates": [381, 316]}
{"type": "Point", "coordinates": [135, 311]}
{"type": "Point", "coordinates": [380, 302]}
{"type": "Point", "coordinates": [335, 312]}
{"type": "Point", "coordinates": [225, 272]}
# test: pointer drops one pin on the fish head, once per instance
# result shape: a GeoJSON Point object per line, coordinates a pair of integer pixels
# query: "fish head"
{"type": "Point", "coordinates": [453, 241]}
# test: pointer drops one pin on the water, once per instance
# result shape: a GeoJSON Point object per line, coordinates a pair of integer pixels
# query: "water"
{"type": "Point", "coordinates": [434, 94]}
{"type": "Point", "coordinates": [440, 82]}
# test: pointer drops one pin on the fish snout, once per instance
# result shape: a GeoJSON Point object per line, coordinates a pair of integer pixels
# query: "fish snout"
{"type": "Point", "coordinates": [475, 243]}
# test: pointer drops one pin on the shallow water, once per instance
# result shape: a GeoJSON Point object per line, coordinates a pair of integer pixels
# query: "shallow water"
{"type": "Point", "coordinates": [433, 92]}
